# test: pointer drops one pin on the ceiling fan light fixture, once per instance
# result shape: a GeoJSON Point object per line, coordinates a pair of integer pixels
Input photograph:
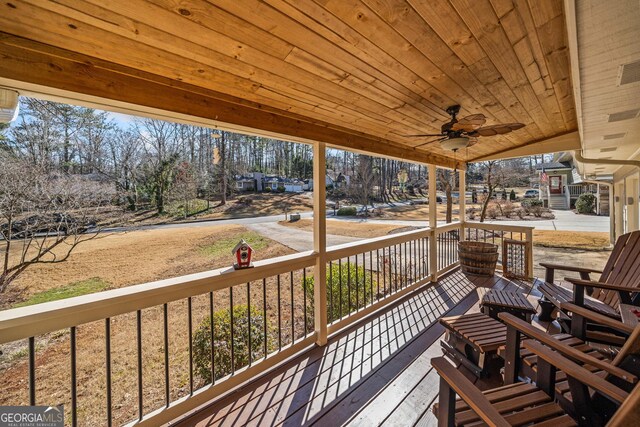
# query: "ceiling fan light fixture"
{"type": "Point", "coordinates": [456, 143]}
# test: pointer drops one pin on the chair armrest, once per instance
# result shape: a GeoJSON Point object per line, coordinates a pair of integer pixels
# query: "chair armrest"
{"type": "Point", "coordinates": [468, 392]}
{"type": "Point", "coordinates": [551, 269]}
{"type": "Point", "coordinates": [569, 268]}
{"type": "Point", "coordinates": [577, 372]}
{"type": "Point", "coordinates": [566, 350]}
{"type": "Point", "coordinates": [600, 285]}
{"type": "Point", "coordinates": [597, 317]}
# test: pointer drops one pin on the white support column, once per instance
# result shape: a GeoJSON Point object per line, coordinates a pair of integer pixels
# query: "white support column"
{"type": "Point", "coordinates": [462, 199]}
{"type": "Point", "coordinates": [320, 242]}
{"type": "Point", "coordinates": [433, 223]}
{"type": "Point", "coordinates": [529, 235]}
{"type": "Point", "coordinates": [612, 214]}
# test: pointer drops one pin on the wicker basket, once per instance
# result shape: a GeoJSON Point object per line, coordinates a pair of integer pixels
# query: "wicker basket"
{"type": "Point", "coordinates": [478, 258]}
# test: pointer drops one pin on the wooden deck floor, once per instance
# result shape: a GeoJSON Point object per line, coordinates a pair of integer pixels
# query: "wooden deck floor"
{"type": "Point", "coordinates": [376, 373]}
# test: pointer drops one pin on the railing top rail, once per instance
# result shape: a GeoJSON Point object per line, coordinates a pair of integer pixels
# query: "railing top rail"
{"type": "Point", "coordinates": [348, 249]}
{"type": "Point", "coordinates": [498, 227]}
{"type": "Point", "coordinates": [448, 227]}
{"type": "Point", "coordinates": [24, 322]}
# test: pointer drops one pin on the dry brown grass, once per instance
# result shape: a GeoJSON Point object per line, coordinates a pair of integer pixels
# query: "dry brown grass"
{"type": "Point", "coordinates": [126, 259]}
{"type": "Point", "coordinates": [418, 212]}
{"type": "Point", "coordinates": [346, 228]}
{"type": "Point", "coordinates": [571, 239]}
{"type": "Point", "coordinates": [260, 204]}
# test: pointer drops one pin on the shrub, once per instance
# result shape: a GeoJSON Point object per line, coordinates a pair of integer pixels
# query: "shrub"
{"type": "Point", "coordinates": [512, 196]}
{"type": "Point", "coordinates": [530, 203]}
{"type": "Point", "coordinates": [342, 281]}
{"type": "Point", "coordinates": [521, 213]}
{"type": "Point", "coordinates": [267, 189]}
{"type": "Point", "coordinates": [534, 207]}
{"type": "Point", "coordinates": [347, 211]}
{"type": "Point", "coordinates": [537, 211]}
{"type": "Point", "coordinates": [222, 341]}
{"type": "Point", "coordinates": [508, 209]}
{"type": "Point", "coordinates": [280, 189]}
{"type": "Point", "coordinates": [471, 213]}
{"type": "Point", "coordinates": [492, 211]}
{"type": "Point", "coordinates": [586, 204]}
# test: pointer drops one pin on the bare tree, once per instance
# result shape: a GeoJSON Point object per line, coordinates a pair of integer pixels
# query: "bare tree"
{"type": "Point", "coordinates": [493, 180]}
{"type": "Point", "coordinates": [125, 158]}
{"type": "Point", "coordinates": [361, 187]}
{"type": "Point", "coordinates": [44, 215]}
{"type": "Point", "coordinates": [184, 188]}
{"type": "Point", "coordinates": [161, 156]}
{"type": "Point", "coordinates": [446, 182]}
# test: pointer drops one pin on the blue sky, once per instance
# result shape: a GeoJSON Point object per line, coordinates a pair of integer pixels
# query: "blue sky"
{"type": "Point", "coordinates": [122, 120]}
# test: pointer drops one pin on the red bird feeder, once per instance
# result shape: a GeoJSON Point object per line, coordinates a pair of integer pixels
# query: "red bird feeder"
{"type": "Point", "coordinates": [242, 251]}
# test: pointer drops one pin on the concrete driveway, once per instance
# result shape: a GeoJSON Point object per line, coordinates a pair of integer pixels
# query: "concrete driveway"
{"type": "Point", "coordinates": [296, 239]}
{"type": "Point", "coordinates": [565, 221]}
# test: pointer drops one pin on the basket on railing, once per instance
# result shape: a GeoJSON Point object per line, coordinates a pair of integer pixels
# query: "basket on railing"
{"type": "Point", "coordinates": [478, 258]}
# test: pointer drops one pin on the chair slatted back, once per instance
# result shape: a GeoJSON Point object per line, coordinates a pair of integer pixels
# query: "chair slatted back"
{"type": "Point", "coordinates": [622, 268]}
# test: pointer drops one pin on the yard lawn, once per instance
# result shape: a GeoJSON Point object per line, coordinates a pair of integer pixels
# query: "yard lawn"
{"type": "Point", "coordinates": [124, 259]}
{"type": "Point", "coordinates": [115, 261]}
{"type": "Point", "coordinates": [347, 228]}
{"type": "Point", "coordinates": [571, 239]}
{"type": "Point", "coordinates": [419, 212]}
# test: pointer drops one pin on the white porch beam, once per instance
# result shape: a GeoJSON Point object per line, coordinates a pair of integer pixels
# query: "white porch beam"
{"type": "Point", "coordinates": [320, 242]}
{"type": "Point", "coordinates": [565, 142]}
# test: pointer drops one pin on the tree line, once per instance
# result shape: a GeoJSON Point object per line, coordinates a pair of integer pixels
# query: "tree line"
{"type": "Point", "coordinates": [151, 162]}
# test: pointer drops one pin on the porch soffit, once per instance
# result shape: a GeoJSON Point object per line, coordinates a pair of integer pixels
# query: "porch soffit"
{"type": "Point", "coordinates": [358, 74]}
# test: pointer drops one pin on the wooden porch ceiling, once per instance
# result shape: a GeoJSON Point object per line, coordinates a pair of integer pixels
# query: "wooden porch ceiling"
{"type": "Point", "coordinates": [357, 74]}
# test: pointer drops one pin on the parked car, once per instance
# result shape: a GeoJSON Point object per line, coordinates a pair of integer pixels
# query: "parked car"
{"type": "Point", "coordinates": [531, 194]}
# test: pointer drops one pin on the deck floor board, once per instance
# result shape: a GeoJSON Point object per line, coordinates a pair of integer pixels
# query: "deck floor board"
{"type": "Point", "coordinates": [377, 372]}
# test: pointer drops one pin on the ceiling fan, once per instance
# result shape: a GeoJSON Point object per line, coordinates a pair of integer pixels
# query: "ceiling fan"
{"type": "Point", "coordinates": [462, 133]}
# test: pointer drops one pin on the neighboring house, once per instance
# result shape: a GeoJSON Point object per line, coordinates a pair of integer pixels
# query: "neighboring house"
{"type": "Point", "coordinates": [273, 182]}
{"type": "Point", "coordinates": [342, 181]}
{"type": "Point", "coordinates": [251, 182]}
{"type": "Point", "coordinates": [558, 176]}
{"type": "Point", "coordinates": [245, 183]}
{"type": "Point", "coordinates": [337, 180]}
{"type": "Point", "coordinates": [257, 181]}
{"type": "Point", "coordinates": [564, 184]}
{"type": "Point", "coordinates": [294, 186]}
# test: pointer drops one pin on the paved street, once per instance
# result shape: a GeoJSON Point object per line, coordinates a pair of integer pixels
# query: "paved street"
{"type": "Point", "coordinates": [301, 240]}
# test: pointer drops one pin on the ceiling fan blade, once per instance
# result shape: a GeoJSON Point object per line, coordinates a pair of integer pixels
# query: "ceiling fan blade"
{"type": "Point", "coordinates": [423, 135]}
{"type": "Point", "coordinates": [499, 129]}
{"type": "Point", "coordinates": [470, 123]}
{"type": "Point", "coordinates": [430, 142]}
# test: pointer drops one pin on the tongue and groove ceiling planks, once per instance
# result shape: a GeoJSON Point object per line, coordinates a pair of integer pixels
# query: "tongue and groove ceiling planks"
{"type": "Point", "coordinates": [357, 74]}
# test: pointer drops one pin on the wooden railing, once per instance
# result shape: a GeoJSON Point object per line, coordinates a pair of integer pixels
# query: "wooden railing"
{"type": "Point", "coordinates": [365, 276]}
{"type": "Point", "coordinates": [447, 238]}
{"type": "Point", "coordinates": [577, 189]}
{"type": "Point", "coordinates": [497, 234]}
{"type": "Point", "coordinates": [200, 335]}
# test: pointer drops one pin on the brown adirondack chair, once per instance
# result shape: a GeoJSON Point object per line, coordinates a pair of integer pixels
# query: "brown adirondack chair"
{"type": "Point", "coordinates": [619, 280]}
{"type": "Point", "coordinates": [623, 370]}
{"type": "Point", "coordinates": [534, 404]}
